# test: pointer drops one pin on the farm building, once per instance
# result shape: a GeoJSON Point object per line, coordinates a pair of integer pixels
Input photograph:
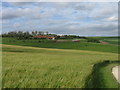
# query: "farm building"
{"type": "Point", "coordinates": [45, 37]}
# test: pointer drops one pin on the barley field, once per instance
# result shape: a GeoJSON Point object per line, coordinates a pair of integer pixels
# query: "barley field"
{"type": "Point", "coordinates": [32, 67]}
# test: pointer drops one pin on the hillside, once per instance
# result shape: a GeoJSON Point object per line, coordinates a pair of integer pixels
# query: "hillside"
{"type": "Point", "coordinates": [32, 67]}
{"type": "Point", "coordinates": [82, 45]}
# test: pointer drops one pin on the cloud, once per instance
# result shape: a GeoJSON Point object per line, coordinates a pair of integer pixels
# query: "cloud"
{"type": "Point", "coordinates": [112, 18]}
{"type": "Point", "coordinates": [105, 10]}
{"type": "Point", "coordinates": [62, 18]}
{"type": "Point", "coordinates": [9, 14]}
{"type": "Point", "coordinates": [84, 6]}
{"type": "Point", "coordinates": [34, 13]}
{"type": "Point", "coordinates": [82, 29]}
{"type": "Point", "coordinates": [16, 25]}
{"type": "Point", "coordinates": [19, 3]}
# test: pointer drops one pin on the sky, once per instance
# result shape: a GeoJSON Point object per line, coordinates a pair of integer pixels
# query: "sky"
{"type": "Point", "coordinates": [78, 18]}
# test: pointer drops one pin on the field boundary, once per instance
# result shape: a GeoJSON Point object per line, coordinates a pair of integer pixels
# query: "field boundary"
{"type": "Point", "coordinates": [55, 49]}
{"type": "Point", "coordinates": [94, 79]}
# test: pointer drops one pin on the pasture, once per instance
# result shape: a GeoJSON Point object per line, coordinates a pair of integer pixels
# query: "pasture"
{"type": "Point", "coordinates": [32, 67]}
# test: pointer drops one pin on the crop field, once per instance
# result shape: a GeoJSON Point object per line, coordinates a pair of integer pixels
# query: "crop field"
{"type": "Point", "coordinates": [33, 67]}
{"type": "Point", "coordinates": [63, 45]}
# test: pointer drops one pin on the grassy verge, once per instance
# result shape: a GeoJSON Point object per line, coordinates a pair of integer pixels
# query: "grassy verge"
{"type": "Point", "coordinates": [101, 76]}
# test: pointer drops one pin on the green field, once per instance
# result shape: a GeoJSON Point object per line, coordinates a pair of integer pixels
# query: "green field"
{"type": "Point", "coordinates": [30, 67]}
{"type": "Point", "coordinates": [58, 65]}
{"type": "Point", "coordinates": [63, 45]}
{"type": "Point", "coordinates": [110, 40]}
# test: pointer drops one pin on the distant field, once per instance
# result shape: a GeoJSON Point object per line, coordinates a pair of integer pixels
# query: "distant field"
{"type": "Point", "coordinates": [111, 40]}
{"type": "Point", "coordinates": [64, 45]}
{"type": "Point", "coordinates": [30, 67]}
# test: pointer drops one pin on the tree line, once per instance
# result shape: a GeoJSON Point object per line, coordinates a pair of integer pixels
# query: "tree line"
{"type": "Point", "coordinates": [27, 35]}
{"type": "Point", "coordinates": [22, 34]}
{"type": "Point", "coordinates": [30, 35]}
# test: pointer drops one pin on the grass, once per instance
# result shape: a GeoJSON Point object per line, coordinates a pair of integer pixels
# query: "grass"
{"type": "Point", "coordinates": [102, 72]}
{"type": "Point", "coordinates": [109, 80]}
{"type": "Point", "coordinates": [31, 67]}
{"type": "Point", "coordinates": [64, 45]}
{"type": "Point", "coordinates": [111, 40]}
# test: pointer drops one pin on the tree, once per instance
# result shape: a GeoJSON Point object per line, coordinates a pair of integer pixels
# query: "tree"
{"type": "Point", "coordinates": [26, 35]}
{"type": "Point", "coordinates": [33, 33]}
{"type": "Point", "coordinates": [36, 32]}
{"type": "Point", "coordinates": [47, 33]}
{"type": "Point", "coordinates": [93, 40]}
{"type": "Point", "coordinates": [39, 33]}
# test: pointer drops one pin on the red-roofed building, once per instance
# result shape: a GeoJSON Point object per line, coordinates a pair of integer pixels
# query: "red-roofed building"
{"type": "Point", "coordinates": [36, 36]}
{"type": "Point", "coordinates": [44, 37]}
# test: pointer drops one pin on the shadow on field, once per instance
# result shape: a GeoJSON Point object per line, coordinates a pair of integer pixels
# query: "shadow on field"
{"type": "Point", "coordinates": [11, 50]}
{"type": "Point", "coordinates": [95, 79]}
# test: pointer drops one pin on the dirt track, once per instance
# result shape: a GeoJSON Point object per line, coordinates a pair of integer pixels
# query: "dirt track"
{"type": "Point", "coordinates": [103, 42]}
{"type": "Point", "coordinates": [116, 73]}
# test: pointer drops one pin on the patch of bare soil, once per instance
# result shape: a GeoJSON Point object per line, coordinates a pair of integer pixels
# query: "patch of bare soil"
{"type": "Point", "coordinates": [103, 42]}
